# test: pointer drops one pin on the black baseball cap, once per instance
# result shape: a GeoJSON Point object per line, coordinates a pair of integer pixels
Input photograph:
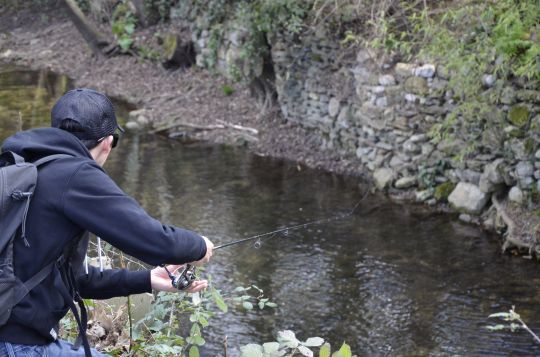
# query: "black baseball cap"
{"type": "Point", "coordinates": [91, 109]}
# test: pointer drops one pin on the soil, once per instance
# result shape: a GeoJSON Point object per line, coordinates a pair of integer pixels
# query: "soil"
{"type": "Point", "coordinates": [48, 39]}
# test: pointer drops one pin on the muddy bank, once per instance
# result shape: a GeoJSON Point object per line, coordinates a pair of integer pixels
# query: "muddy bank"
{"type": "Point", "coordinates": [49, 40]}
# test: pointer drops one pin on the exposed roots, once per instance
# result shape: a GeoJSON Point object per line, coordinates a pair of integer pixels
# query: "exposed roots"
{"type": "Point", "coordinates": [519, 234]}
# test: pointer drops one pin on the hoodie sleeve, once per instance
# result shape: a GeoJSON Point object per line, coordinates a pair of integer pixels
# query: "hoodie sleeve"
{"type": "Point", "coordinates": [113, 282]}
{"type": "Point", "coordinates": [95, 203]}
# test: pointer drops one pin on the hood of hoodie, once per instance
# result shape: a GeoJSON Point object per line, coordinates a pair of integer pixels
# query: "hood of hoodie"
{"type": "Point", "coordinates": [37, 143]}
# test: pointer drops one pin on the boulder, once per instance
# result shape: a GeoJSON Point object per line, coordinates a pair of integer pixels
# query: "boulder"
{"type": "Point", "coordinates": [468, 198]}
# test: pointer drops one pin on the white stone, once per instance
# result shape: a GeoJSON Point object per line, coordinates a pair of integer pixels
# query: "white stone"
{"type": "Point", "coordinates": [426, 71]}
{"type": "Point", "coordinates": [515, 194]}
{"type": "Point", "coordinates": [383, 177]}
{"type": "Point", "coordinates": [381, 102]}
{"type": "Point", "coordinates": [468, 198]}
{"type": "Point", "coordinates": [333, 107]}
{"type": "Point", "coordinates": [488, 80]}
{"type": "Point", "coordinates": [524, 169]}
{"type": "Point", "coordinates": [419, 138]}
{"type": "Point", "coordinates": [409, 97]}
{"type": "Point", "coordinates": [405, 182]}
{"type": "Point", "coordinates": [424, 195]}
{"type": "Point", "coordinates": [387, 80]}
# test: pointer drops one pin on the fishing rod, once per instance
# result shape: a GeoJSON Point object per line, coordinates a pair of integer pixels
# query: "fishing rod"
{"type": "Point", "coordinates": [187, 275]}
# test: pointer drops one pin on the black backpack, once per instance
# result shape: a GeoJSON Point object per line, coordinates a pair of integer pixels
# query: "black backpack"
{"type": "Point", "coordinates": [18, 180]}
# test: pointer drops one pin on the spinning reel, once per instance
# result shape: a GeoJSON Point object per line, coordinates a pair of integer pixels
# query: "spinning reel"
{"type": "Point", "coordinates": [184, 279]}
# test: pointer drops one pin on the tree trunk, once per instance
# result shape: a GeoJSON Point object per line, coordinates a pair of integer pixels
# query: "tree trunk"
{"type": "Point", "coordinates": [95, 40]}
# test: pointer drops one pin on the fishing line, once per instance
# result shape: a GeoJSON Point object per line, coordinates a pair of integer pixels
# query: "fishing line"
{"type": "Point", "coordinates": [286, 230]}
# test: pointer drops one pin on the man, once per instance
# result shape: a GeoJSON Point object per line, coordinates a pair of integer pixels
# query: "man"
{"type": "Point", "coordinates": [73, 195]}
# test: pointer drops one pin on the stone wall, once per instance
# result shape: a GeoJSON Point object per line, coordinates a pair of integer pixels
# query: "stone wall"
{"type": "Point", "coordinates": [383, 112]}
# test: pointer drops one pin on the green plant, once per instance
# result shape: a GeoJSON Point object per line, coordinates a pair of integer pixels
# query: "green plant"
{"type": "Point", "coordinates": [123, 26]}
{"type": "Point", "coordinates": [288, 344]}
{"type": "Point", "coordinates": [158, 333]}
{"type": "Point", "coordinates": [513, 323]}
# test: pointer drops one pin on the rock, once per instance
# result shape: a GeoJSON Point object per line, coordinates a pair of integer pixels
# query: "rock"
{"type": "Point", "coordinates": [405, 182]}
{"type": "Point", "coordinates": [464, 217]}
{"type": "Point", "coordinates": [381, 102]}
{"type": "Point", "coordinates": [378, 90]}
{"type": "Point", "coordinates": [426, 71]}
{"type": "Point", "coordinates": [404, 69]}
{"type": "Point", "coordinates": [416, 85]}
{"type": "Point", "coordinates": [468, 198]}
{"type": "Point", "coordinates": [411, 147]}
{"type": "Point", "coordinates": [419, 138]}
{"type": "Point", "coordinates": [132, 126]}
{"type": "Point", "coordinates": [411, 98]}
{"type": "Point", "coordinates": [383, 177]}
{"type": "Point", "coordinates": [333, 107]}
{"type": "Point", "coordinates": [387, 80]}
{"type": "Point", "coordinates": [493, 171]}
{"type": "Point", "coordinates": [488, 80]}
{"type": "Point", "coordinates": [524, 169]}
{"type": "Point", "coordinates": [424, 195]}
{"type": "Point", "coordinates": [508, 95]}
{"type": "Point", "coordinates": [515, 195]}
{"type": "Point", "coordinates": [518, 115]}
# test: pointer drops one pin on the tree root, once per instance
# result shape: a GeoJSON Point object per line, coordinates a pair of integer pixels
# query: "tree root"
{"type": "Point", "coordinates": [514, 237]}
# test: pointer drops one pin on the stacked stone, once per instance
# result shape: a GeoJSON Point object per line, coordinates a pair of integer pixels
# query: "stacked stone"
{"type": "Point", "coordinates": [383, 112]}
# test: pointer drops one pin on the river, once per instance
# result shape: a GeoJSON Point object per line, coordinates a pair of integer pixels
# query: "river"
{"type": "Point", "coordinates": [390, 280]}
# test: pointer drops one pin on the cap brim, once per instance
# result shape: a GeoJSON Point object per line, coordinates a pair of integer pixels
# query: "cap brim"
{"type": "Point", "coordinates": [120, 128]}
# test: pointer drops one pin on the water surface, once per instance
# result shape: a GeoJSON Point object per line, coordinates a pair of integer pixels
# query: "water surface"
{"type": "Point", "coordinates": [399, 281]}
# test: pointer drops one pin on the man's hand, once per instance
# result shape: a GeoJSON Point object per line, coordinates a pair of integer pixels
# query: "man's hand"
{"type": "Point", "coordinates": [161, 281]}
{"type": "Point", "coordinates": [209, 252]}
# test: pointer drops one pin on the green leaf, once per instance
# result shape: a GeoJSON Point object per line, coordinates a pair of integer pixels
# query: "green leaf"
{"type": "Point", "coordinates": [495, 327]}
{"type": "Point", "coordinates": [313, 342]}
{"type": "Point", "coordinates": [219, 300]}
{"type": "Point", "coordinates": [203, 321]}
{"type": "Point", "coordinates": [125, 43]}
{"type": "Point", "coordinates": [344, 351]}
{"type": "Point", "coordinates": [305, 351]}
{"type": "Point", "coordinates": [271, 304]}
{"type": "Point", "coordinates": [251, 350]}
{"type": "Point", "coordinates": [129, 28]}
{"type": "Point", "coordinates": [247, 305]}
{"type": "Point", "coordinates": [240, 289]}
{"type": "Point", "coordinates": [270, 347]}
{"type": "Point", "coordinates": [194, 351]}
{"type": "Point", "coordinates": [287, 339]}
{"type": "Point", "coordinates": [500, 314]}
{"type": "Point", "coordinates": [325, 350]}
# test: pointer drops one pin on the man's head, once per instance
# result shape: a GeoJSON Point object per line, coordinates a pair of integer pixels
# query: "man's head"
{"type": "Point", "coordinates": [89, 115]}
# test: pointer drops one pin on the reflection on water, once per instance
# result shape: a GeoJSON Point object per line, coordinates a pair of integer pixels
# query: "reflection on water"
{"type": "Point", "coordinates": [397, 282]}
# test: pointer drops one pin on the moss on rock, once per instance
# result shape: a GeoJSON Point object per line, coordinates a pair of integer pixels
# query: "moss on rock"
{"type": "Point", "coordinates": [444, 190]}
{"type": "Point", "coordinates": [518, 115]}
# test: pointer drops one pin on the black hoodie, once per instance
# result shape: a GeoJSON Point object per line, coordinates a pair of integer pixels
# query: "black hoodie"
{"type": "Point", "coordinates": [73, 195]}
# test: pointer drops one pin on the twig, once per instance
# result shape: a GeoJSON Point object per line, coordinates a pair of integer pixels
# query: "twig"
{"type": "Point", "coordinates": [239, 127]}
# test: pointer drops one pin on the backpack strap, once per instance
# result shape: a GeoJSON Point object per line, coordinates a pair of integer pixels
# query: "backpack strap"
{"type": "Point", "coordinates": [49, 158]}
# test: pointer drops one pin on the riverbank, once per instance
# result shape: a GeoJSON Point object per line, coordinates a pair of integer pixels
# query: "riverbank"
{"type": "Point", "coordinates": [200, 100]}
{"type": "Point", "coordinates": [49, 40]}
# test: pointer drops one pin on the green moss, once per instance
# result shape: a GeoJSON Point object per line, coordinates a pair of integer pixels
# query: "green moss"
{"type": "Point", "coordinates": [530, 146]}
{"type": "Point", "coordinates": [444, 190]}
{"type": "Point", "coordinates": [227, 90]}
{"type": "Point", "coordinates": [518, 115]}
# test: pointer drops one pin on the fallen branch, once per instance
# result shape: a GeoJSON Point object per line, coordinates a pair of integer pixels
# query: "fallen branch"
{"type": "Point", "coordinates": [239, 127]}
{"type": "Point", "coordinates": [222, 125]}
